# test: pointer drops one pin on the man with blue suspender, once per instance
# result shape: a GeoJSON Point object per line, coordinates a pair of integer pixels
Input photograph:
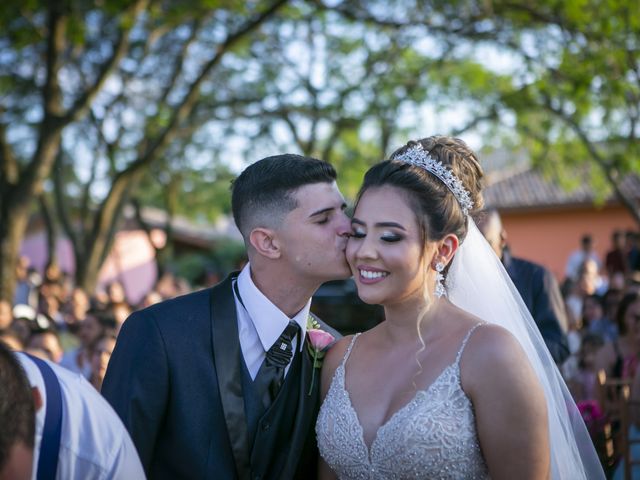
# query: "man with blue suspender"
{"type": "Point", "coordinates": [53, 424]}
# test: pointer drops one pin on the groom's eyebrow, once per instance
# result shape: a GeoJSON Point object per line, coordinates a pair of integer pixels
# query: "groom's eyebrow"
{"type": "Point", "coordinates": [327, 210]}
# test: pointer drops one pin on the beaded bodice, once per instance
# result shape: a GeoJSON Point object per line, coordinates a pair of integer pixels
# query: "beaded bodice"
{"type": "Point", "coordinates": [432, 437]}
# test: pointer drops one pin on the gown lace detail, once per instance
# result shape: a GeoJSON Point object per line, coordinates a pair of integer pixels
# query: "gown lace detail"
{"type": "Point", "coordinates": [432, 437]}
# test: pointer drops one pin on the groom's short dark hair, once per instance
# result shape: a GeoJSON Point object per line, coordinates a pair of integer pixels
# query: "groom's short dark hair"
{"type": "Point", "coordinates": [263, 191]}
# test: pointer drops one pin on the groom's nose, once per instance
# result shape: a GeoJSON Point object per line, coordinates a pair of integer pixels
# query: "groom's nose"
{"type": "Point", "coordinates": [344, 225]}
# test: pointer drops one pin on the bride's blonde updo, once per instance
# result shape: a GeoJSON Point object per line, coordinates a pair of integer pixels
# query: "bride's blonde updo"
{"type": "Point", "coordinates": [439, 212]}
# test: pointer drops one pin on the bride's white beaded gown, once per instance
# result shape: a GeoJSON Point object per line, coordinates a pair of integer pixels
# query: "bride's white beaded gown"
{"type": "Point", "coordinates": [432, 437]}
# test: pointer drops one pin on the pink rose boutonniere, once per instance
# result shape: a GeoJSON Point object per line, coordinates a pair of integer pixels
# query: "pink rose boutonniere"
{"type": "Point", "coordinates": [318, 343]}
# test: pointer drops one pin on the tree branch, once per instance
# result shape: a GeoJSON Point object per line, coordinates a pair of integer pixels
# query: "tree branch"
{"type": "Point", "coordinates": [609, 172]}
{"type": "Point", "coordinates": [8, 164]}
{"type": "Point", "coordinates": [121, 184]}
{"type": "Point", "coordinates": [179, 60]}
{"type": "Point", "coordinates": [188, 102]}
{"type": "Point", "coordinates": [61, 206]}
{"type": "Point", "coordinates": [477, 120]}
{"type": "Point", "coordinates": [120, 48]}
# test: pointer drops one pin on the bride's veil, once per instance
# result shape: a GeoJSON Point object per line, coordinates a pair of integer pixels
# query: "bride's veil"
{"type": "Point", "coordinates": [478, 283]}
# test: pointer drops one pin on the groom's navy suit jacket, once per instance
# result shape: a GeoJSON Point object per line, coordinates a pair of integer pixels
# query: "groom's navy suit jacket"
{"type": "Point", "coordinates": [176, 380]}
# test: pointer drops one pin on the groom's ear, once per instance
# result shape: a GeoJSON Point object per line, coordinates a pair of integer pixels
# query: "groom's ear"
{"type": "Point", "coordinates": [265, 242]}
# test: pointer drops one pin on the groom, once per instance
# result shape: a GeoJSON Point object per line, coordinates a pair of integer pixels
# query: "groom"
{"type": "Point", "coordinates": [218, 383]}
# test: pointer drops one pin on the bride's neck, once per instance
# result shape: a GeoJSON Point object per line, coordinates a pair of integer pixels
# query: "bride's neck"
{"type": "Point", "coordinates": [403, 320]}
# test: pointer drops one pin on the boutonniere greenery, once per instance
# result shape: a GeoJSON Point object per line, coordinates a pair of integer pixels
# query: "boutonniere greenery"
{"type": "Point", "coordinates": [318, 342]}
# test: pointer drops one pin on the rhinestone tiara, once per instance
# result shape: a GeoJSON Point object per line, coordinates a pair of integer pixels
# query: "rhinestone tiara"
{"type": "Point", "coordinates": [418, 156]}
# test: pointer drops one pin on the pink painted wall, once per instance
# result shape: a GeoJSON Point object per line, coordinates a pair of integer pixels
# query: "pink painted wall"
{"type": "Point", "coordinates": [548, 237]}
{"type": "Point", "coordinates": [131, 261]}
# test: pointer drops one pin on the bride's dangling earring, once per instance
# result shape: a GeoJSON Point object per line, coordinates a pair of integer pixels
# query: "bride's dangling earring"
{"type": "Point", "coordinates": [440, 290]}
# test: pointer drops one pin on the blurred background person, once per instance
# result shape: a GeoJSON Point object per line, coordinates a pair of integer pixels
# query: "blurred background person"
{"type": "Point", "coordinates": [582, 382]}
{"type": "Point", "coordinates": [101, 352]}
{"type": "Point", "coordinates": [151, 298]}
{"type": "Point", "coordinates": [120, 312]}
{"type": "Point", "coordinates": [26, 287]}
{"type": "Point", "coordinates": [596, 318]}
{"type": "Point", "coordinates": [45, 343]}
{"type": "Point", "coordinates": [95, 325]}
{"type": "Point", "coordinates": [619, 358]}
{"type": "Point", "coordinates": [537, 286]}
{"type": "Point", "coordinates": [6, 315]}
{"type": "Point", "coordinates": [578, 257]}
{"type": "Point", "coordinates": [24, 322]}
{"type": "Point", "coordinates": [588, 282]}
{"type": "Point", "coordinates": [75, 311]}
{"type": "Point", "coordinates": [633, 250]}
{"type": "Point", "coordinates": [616, 261]}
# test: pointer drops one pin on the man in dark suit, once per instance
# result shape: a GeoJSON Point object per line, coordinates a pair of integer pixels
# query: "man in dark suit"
{"type": "Point", "coordinates": [218, 383]}
{"type": "Point", "coordinates": [537, 286]}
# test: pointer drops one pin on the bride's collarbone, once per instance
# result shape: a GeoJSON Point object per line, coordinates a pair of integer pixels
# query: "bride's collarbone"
{"type": "Point", "coordinates": [387, 382]}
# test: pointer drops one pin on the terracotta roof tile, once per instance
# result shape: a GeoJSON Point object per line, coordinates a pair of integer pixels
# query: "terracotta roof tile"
{"type": "Point", "coordinates": [530, 189]}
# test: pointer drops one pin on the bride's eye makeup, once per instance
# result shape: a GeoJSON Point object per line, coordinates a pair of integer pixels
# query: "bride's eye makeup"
{"type": "Point", "coordinates": [358, 233]}
{"type": "Point", "coordinates": [391, 237]}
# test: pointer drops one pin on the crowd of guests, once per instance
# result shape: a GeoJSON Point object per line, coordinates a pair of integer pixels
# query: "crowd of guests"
{"type": "Point", "coordinates": [602, 298]}
{"type": "Point", "coordinates": [53, 319]}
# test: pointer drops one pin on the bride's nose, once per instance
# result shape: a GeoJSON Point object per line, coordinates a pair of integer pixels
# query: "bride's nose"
{"type": "Point", "coordinates": [365, 248]}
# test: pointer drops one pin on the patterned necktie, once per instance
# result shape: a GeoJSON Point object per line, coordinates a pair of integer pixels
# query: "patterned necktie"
{"type": "Point", "coordinates": [271, 374]}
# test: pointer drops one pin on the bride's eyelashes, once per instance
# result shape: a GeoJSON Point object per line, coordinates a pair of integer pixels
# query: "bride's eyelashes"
{"type": "Point", "coordinates": [357, 233]}
{"type": "Point", "coordinates": [389, 237]}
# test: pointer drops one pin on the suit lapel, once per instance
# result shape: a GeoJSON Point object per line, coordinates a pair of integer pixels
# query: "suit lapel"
{"type": "Point", "coordinates": [226, 352]}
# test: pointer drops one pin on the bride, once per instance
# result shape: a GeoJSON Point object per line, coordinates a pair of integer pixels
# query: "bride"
{"type": "Point", "coordinates": [456, 383]}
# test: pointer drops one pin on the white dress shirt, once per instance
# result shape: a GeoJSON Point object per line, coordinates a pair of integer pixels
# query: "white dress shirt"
{"type": "Point", "coordinates": [260, 322]}
{"type": "Point", "coordinates": [94, 443]}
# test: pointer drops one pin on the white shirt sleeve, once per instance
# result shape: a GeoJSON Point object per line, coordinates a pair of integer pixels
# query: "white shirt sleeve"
{"type": "Point", "coordinates": [126, 464]}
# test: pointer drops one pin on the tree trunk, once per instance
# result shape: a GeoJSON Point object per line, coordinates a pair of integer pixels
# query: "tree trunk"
{"type": "Point", "coordinates": [13, 223]}
{"type": "Point", "coordinates": [97, 247]}
{"type": "Point", "coordinates": [51, 230]}
{"type": "Point", "coordinates": [165, 253]}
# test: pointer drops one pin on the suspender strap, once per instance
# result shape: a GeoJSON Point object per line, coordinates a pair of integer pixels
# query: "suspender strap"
{"type": "Point", "coordinates": [50, 445]}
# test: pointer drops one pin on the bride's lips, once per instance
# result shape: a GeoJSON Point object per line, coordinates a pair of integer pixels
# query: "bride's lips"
{"type": "Point", "coordinates": [370, 275]}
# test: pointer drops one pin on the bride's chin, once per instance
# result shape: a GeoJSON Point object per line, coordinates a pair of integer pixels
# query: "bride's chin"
{"type": "Point", "coordinates": [369, 299]}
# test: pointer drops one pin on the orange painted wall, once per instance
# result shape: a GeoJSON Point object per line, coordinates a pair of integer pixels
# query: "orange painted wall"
{"type": "Point", "coordinates": [549, 236]}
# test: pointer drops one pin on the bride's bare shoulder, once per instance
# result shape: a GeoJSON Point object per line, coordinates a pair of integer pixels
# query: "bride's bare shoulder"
{"type": "Point", "coordinates": [494, 358]}
{"type": "Point", "coordinates": [492, 344]}
{"type": "Point", "coordinates": [332, 359]}
{"type": "Point", "coordinates": [336, 353]}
